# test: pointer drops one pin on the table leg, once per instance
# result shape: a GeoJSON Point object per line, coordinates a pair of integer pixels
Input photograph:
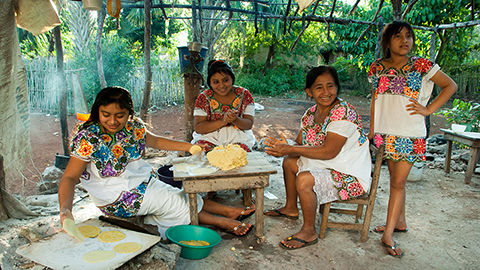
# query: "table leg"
{"type": "Point", "coordinates": [448, 155]}
{"type": "Point", "coordinates": [247, 197]}
{"type": "Point", "coordinates": [471, 164]}
{"type": "Point", "coordinates": [193, 208]}
{"type": "Point", "coordinates": [259, 212]}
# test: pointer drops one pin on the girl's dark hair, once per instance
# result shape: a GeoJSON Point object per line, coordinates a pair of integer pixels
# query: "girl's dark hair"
{"type": "Point", "coordinates": [320, 70]}
{"type": "Point", "coordinates": [389, 31]}
{"type": "Point", "coordinates": [109, 95]}
{"type": "Point", "coordinates": [219, 66]}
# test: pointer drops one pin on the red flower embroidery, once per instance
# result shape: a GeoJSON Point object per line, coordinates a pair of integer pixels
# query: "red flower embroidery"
{"type": "Point", "coordinates": [422, 65]}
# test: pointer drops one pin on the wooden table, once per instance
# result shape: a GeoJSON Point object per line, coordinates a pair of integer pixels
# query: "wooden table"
{"type": "Point", "coordinates": [254, 175]}
{"type": "Point", "coordinates": [471, 139]}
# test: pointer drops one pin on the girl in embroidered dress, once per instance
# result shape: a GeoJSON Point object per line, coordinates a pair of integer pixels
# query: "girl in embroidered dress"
{"type": "Point", "coordinates": [329, 161]}
{"type": "Point", "coordinates": [106, 156]}
{"type": "Point", "coordinates": [402, 86]}
{"type": "Point", "coordinates": [224, 113]}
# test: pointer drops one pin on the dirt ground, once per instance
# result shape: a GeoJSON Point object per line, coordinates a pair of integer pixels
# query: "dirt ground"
{"type": "Point", "coordinates": [443, 214]}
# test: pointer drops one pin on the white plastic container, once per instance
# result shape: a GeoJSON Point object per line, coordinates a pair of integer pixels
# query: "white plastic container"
{"type": "Point", "coordinates": [458, 128]}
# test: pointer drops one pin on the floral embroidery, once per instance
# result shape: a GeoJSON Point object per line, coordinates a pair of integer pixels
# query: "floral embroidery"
{"type": "Point", "coordinates": [422, 65]}
{"type": "Point", "coordinates": [407, 81]}
{"type": "Point", "coordinates": [215, 110]}
{"type": "Point", "coordinates": [414, 80]}
{"type": "Point", "coordinates": [214, 104]}
{"type": "Point", "coordinates": [128, 203]}
{"type": "Point", "coordinates": [110, 154]}
{"type": "Point", "coordinates": [402, 148]}
{"type": "Point", "coordinates": [397, 85]}
{"type": "Point", "coordinates": [347, 185]}
{"type": "Point", "coordinates": [383, 84]}
{"type": "Point", "coordinates": [314, 133]}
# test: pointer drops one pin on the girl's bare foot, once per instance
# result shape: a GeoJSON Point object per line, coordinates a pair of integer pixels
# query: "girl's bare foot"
{"type": "Point", "coordinates": [398, 228]}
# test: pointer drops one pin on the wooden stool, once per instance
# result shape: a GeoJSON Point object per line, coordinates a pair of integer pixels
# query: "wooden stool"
{"type": "Point", "coordinates": [366, 199]}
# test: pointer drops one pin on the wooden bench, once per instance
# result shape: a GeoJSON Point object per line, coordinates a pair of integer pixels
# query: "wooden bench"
{"type": "Point", "coordinates": [254, 175]}
{"type": "Point", "coordinates": [471, 139]}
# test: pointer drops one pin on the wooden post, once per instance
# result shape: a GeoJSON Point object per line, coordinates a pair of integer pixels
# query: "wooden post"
{"type": "Point", "coordinates": [433, 44]}
{"type": "Point", "coordinates": [62, 89]}
{"type": "Point", "coordinates": [378, 50]}
{"type": "Point", "coordinates": [192, 83]}
{"type": "Point", "coordinates": [146, 61]}
{"type": "Point", "coordinates": [3, 210]}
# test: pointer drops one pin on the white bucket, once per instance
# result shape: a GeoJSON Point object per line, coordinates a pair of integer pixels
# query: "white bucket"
{"type": "Point", "coordinates": [92, 4]}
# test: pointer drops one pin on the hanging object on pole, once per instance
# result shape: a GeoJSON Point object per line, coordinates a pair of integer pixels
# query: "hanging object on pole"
{"type": "Point", "coordinates": [117, 7]}
{"type": "Point", "coordinates": [92, 4]}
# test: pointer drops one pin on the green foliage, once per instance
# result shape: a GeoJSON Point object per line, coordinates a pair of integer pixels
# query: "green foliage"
{"type": "Point", "coordinates": [465, 113]}
{"type": "Point", "coordinates": [279, 81]}
{"type": "Point", "coordinates": [118, 66]}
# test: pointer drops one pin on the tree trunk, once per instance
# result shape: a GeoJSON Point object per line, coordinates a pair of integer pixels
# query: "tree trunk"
{"type": "Point", "coordinates": [146, 62]}
{"type": "Point", "coordinates": [268, 62]}
{"type": "Point", "coordinates": [98, 40]}
{"type": "Point", "coordinates": [62, 90]}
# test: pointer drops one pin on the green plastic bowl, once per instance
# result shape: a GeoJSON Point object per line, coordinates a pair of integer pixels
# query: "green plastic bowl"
{"type": "Point", "coordinates": [193, 232]}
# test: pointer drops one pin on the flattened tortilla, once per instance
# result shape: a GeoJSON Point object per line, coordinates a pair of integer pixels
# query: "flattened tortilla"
{"type": "Point", "coordinates": [89, 231]}
{"type": "Point", "coordinates": [98, 256]}
{"type": "Point", "coordinates": [127, 247]}
{"type": "Point", "coordinates": [111, 236]}
{"type": "Point", "coordinates": [203, 171]}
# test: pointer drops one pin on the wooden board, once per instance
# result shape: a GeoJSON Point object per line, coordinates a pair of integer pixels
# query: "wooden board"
{"type": "Point", "coordinates": [61, 251]}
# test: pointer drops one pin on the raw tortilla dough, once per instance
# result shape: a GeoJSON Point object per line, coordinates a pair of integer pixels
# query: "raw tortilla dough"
{"type": "Point", "coordinates": [226, 158]}
{"type": "Point", "coordinates": [127, 247]}
{"type": "Point", "coordinates": [111, 236]}
{"type": "Point", "coordinates": [182, 167]}
{"type": "Point", "coordinates": [98, 256]}
{"type": "Point", "coordinates": [70, 227]}
{"type": "Point", "coordinates": [195, 149]}
{"type": "Point", "coordinates": [203, 171]}
{"type": "Point", "coordinates": [89, 231]}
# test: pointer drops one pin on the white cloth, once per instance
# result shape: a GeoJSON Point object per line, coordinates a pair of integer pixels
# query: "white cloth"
{"type": "Point", "coordinates": [324, 186]}
{"type": "Point", "coordinates": [353, 159]}
{"type": "Point", "coordinates": [165, 206]}
{"type": "Point", "coordinates": [227, 135]}
{"type": "Point", "coordinates": [105, 190]}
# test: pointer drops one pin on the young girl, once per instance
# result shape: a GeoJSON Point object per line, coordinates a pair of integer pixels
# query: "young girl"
{"type": "Point", "coordinates": [402, 86]}
{"type": "Point", "coordinates": [106, 156]}
{"type": "Point", "coordinates": [224, 113]}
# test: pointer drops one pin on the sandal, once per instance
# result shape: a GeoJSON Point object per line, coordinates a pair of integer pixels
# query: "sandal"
{"type": "Point", "coordinates": [232, 231]}
{"type": "Point", "coordinates": [393, 248]}
{"type": "Point", "coordinates": [381, 229]}
{"type": "Point", "coordinates": [242, 214]}
{"type": "Point", "coordinates": [277, 213]}
{"type": "Point", "coordinates": [305, 243]}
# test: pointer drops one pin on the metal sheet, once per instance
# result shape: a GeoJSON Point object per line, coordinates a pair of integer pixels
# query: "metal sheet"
{"type": "Point", "coordinates": [61, 251]}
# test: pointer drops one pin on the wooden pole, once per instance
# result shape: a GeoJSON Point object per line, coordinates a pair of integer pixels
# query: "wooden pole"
{"type": "Point", "coordinates": [432, 46]}
{"type": "Point", "coordinates": [192, 83]}
{"type": "Point", "coordinates": [146, 62]}
{"type": "Point", "coordinates": [62, 90]}
{"type": "Point", "coordinates": [3, 209]}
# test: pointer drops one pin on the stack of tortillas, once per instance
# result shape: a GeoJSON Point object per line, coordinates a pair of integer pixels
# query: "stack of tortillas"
{"type": "Point", "coordinates": [227, 158]}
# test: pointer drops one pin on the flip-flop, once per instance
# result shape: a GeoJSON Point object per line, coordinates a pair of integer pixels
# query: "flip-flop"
{"type": "Point", "coordinates": [305, 243]}
{"type": "Point", "coordinates": [242, 214]}
{"type": "Point", "coordinates": [279, 214]}
{"type": "Point", "coordinates": [231, 231]}
{"type": "Point", "coordinates": [393, 248]}
{"type": "Point", "coordinates": [384, 225]}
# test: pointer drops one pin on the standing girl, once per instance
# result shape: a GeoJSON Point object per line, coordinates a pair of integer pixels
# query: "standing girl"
{"type": "Point", "coordinates": [106, 156]}
{"type": "Point", "coordinates": [402, 86]}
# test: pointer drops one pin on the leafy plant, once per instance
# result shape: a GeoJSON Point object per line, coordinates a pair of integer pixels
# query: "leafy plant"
{"type": "Point", "coordinates": [465, 113]}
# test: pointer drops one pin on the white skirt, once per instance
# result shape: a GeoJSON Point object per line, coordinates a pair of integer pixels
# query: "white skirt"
{"type": "Point", "coordinates": [227, 135]}
{"type": "Point", "coordinates": [165, 206]}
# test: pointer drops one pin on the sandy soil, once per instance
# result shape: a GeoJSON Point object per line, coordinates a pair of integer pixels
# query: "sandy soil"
{"type": "Point", "coordinates": [442, 213]}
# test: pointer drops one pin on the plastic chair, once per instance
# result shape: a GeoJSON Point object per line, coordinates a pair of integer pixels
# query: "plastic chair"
{"type": "Point", "coordinates": [367, 199]}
